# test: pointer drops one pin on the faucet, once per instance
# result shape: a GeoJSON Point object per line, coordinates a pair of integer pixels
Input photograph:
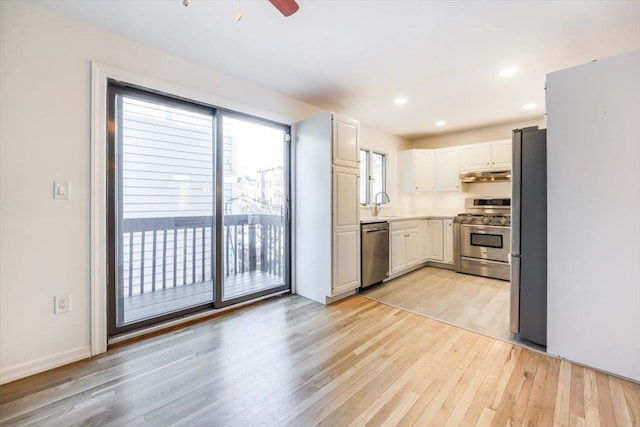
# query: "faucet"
{"type": "Point", "coordinates": [376, 205]}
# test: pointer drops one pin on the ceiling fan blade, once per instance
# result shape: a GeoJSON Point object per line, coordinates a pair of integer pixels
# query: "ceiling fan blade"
{"type": "Point", "coordinates": [286, 7]}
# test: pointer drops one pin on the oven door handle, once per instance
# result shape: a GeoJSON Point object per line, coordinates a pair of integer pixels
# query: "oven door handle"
{"type": "Point", "coordinates": [483, 261]}
{"type": "Point", "coordinates": [485, 227]}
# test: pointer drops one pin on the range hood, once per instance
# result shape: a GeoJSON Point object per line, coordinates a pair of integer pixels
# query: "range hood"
{"type": "Point", "coordinates": [486, 176]}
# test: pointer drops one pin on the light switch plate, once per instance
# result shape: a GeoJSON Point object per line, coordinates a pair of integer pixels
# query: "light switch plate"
{"type": "Point", "coordinates": [61, 190]}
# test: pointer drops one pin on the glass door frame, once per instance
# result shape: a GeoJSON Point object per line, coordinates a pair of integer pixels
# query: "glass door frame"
{"type": "Point", "coordinates": [219, 302]}
{"type": "Point", "coordinates": [114, 207]}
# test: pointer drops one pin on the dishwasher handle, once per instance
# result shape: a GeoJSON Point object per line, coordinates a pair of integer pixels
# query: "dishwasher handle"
{"type": "Point", "coordinates": [372, 230]}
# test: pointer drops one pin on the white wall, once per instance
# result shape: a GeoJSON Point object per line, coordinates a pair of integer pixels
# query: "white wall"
{"type": "Point", "coordinates": [594, 214]}
{"type": "Point", "coordinates": [474, 136]}
{"type": "Point", "coordinates": [452, 203]}
{"type": "Point", "coordinates": [45, 136]}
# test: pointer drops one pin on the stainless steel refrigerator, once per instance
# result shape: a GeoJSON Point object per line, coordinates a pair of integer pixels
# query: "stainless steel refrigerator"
{"type": "Point", "coordinates": [529, 235]}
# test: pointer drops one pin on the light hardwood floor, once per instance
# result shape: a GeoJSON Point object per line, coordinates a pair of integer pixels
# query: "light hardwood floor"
{"type": "Point", "coordinates": [291, 362]}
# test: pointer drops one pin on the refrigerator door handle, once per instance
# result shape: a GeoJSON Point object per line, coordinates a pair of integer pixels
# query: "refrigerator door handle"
{"type": "Point", "coordinates": [516, 191]}
{"type": "Point", "coordinates": [514, 320]}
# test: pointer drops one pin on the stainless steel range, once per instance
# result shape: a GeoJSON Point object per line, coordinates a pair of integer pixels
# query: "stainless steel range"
{"type": "Point", "coordinates": [482, 238]}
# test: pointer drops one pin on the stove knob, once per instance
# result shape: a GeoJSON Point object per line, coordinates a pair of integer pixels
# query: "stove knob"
{"type": "Point", "coordinates": [486, 220]}
{"type": "Point", "coordinates": [503, 220]}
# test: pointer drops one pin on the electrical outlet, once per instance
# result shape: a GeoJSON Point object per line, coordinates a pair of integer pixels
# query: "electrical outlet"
{"type": "Point", "coordinates": [61, 304]}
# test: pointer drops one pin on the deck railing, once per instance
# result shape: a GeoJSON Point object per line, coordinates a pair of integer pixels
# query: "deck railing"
{"type": "Point", "coordinates": [161, 253]}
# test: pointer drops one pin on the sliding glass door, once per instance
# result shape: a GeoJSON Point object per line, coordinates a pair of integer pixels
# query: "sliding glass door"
{"type": "Point", "coordinates": [196, 209]}
{"type": "Point", "coordinates": [254, 249]}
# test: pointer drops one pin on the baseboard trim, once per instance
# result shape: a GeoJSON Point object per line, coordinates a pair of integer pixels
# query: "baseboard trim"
{"type": "Point", "coordinates": [32, 367]}
{"type": "Point", "coordinates": [340, 296]}
{"type": "Point", "coordinates": [442, 265]}
{"type": "Point", "coordinates": [403, 272]}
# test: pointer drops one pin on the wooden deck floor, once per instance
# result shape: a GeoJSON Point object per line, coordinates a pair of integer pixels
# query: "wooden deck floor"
{"type": "Point", "coordinates": [162, 301]}
{"type": "Point", "coordinates": [289, 361]}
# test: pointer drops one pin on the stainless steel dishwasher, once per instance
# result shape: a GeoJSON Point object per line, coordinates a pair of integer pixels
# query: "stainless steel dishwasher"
{"type": "Point", "coordinates": [375, 253]}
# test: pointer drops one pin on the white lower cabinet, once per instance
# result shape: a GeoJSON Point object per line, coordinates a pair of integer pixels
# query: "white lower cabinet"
{"type": "Point", "coordinates": [346, 261]}
{"type": "Point", "coordinates": [405, 245]}
{"type": "Point", "coordinates": [346, 230]}
{"type": "Point", "coordinates": [414, 242]}
{"type": "Point", "coordinates": [440, 240]}
{"type": "Point", "coordinates": [398, 251]}
{"type": "Point", "coordinates": [435, 241]}
{"type": "Point", "coordinates": [448, 241]}
{"type": "Point", "coordinates": [413, 247]}
{"type": "Point", "coordinates": [423, 238]}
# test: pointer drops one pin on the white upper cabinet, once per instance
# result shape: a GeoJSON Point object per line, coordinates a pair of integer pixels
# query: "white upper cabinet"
{"type": "Point", "coordinates": [501, 154]}
{"type": "Point", "coordinates": [345, 141]}
{"type": "Point", "coordinates": [416, 171]}
{"type": "Point", "coordinates": [475, 157]}
{"type": "Point", "coordinates": [424, 166]}
{"type": "Point", "coordinates": [428, 170]}
{"type": "Point", "coordinates": [494, 155]}
{"type": "Point", "coordinates": [447, 176]}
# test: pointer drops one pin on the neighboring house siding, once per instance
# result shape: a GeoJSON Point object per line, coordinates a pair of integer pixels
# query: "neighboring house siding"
{"type": "Point", "coordinates": [167, 162]}
{"type": "Point", "coordinates": [167, 167]}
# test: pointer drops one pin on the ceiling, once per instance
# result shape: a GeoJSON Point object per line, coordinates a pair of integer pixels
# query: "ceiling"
{"type": "Point", "coordinates": [355, 57]}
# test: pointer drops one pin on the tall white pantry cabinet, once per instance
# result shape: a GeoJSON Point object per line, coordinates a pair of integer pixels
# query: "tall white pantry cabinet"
{"type": "Point", "coordinates": [327, 207]}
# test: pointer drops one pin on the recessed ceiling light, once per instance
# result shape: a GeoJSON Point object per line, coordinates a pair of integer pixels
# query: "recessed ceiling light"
{"type": "Point", "coordinates": [400, 101]}
{"type": "Point", "coordinates": [508, 72]}
{"type": "Point", "coordinates": [441, 123]}
{"type": "Point", "coordinates": [529, 106]}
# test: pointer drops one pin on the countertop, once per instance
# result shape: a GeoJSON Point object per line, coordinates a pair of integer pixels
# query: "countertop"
{"type": "Point", "coordinates": [391, 218]}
